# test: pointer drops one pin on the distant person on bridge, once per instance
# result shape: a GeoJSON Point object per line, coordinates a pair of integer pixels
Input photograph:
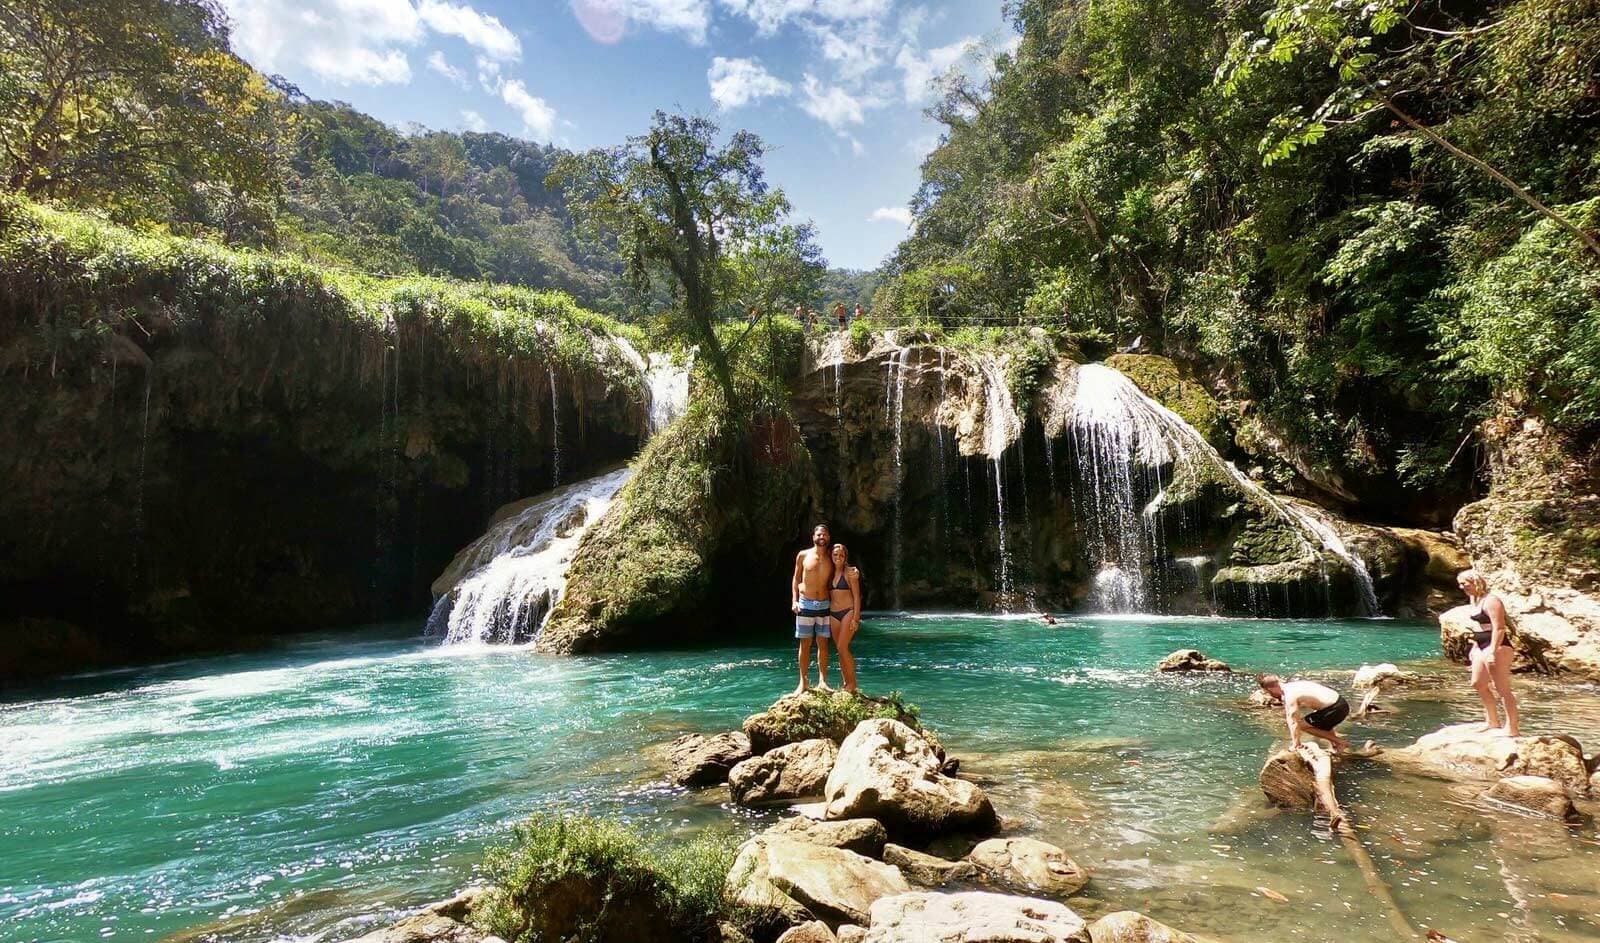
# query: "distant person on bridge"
{"type": "Point", "coordinates": [844, 318]}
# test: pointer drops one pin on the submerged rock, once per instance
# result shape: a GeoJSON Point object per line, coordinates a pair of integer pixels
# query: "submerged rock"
{"type": "Point", "coordinates": [1189, 659]}
{"type": "Point", "coordinates": [862, 836]}
{"type": "Point", "coordinates": [698, 760]}
{"type": "Point", "coordinates": [804, 881]}
{"type": "Point", "coordinates": [889, 772]}
{"type": "Point", "coordinates": [1028, 864]}
{"type": "Point", "coordinates": [1127, 926]}
{"type": "Point", "coordinates": [972, 917]}
{"type": "Point", "coordinates": [1466, 751]}
{"type": "Point", "coordinates": [792, 771]}
{"type": "Point", "coordinates": [1260, 698]}
{"type": "Point", "coordinates": [928, 870]}
{"type": "Point", "coordinates": [1534, 793]}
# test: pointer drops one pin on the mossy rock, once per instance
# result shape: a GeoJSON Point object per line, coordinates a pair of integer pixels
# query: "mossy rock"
{"type": "Point", "coordinates": [830, 715]}
{"type": "Point", "coordinates": [1161, 380]}
{"type": "Point", "coordinates": [1266, 539]}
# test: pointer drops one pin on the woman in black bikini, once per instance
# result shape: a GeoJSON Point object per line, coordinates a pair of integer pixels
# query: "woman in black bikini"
{"type": "Point", "coordinates": [1491, 653]}
{"type": "Point", "coordinates": [844, 595]}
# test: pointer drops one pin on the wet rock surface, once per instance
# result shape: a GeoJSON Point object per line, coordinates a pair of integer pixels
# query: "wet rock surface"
{"type": "Point", "coordinates": [972, 917]}
{"type": "Point", "coordinates": [1468, 752]}
{"type": "Point", "coordinates": [1189, 659]}
{"type": "Point", "coordinates": [806, 881]}
{"type": "Point", "coordinates": [820, 715]}
{"type": "Point", "coordinates": [1127, 926]}
{"type": "Point", "coordinates": [928, 870]}
{"type": "Point", "coordinates": [784, 774]}
{"type": "Point", "coordinates": [862, 836]}
{"type": "Point", "coordinates": [1534, 793]}
{"type": "Point", "coordinates": [889, 772]}
{"type": "Point", "coordinates": [1029, 865]}
{"type": "Point", "coordinates": [698, 760]}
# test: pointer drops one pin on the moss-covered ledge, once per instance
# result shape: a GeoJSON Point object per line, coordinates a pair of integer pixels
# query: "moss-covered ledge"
{"type": "Point", "coordinates": [202, 447]}
{"type": "Point", "coordinates": [1162, 381]}
{"type": "Point", "coordinates": [710, 499]}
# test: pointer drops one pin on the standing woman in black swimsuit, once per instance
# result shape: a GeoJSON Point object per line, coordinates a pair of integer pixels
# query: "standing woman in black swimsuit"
{"type": "Point", "coordinates": [844, 595]}
{"type": "Point", "coordinates": [1491, 653]}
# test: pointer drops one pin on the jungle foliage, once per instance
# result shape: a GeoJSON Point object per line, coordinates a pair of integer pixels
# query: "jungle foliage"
{"type": "Point", "coordinates": [1365, 222]}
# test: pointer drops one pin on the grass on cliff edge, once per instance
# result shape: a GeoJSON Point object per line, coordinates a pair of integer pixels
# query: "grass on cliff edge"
{"type": "Point", "coordinates": [81, 278]}
{"type": "Point", "coordinates": [580, 878]}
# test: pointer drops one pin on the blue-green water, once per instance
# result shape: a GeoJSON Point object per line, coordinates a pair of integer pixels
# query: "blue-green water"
{"type": "Point", "coordinates": [302, 793]}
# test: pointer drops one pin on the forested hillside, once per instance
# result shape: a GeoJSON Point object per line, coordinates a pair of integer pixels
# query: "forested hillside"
{"type": "Point", "coordinates": [1367, 225]}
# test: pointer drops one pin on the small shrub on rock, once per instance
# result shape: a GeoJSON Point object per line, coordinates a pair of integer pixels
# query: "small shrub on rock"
{"type": "Point", "coordinates": [587, 880]}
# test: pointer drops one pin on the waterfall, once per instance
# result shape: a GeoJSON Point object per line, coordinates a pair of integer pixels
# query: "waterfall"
{"type": "Point", "coordinates": [513, 576]}
{"type": "Point", "coordinates": [666, 385]}
{"type": "Point", "coordinates": [1001, 427]}
{"type": "Point", "coordinates": [897, 368]}
{"type": "Point", "coordinates": [517, 571]}
{"type": "Point", "coordinates": [555, 433]}
{"type": "Point", "coordinates": [1124, 439]}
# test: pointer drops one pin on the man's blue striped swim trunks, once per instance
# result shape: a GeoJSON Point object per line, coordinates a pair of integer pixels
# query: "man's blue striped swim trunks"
{"type": "Point", "coordinates": [812, 620]}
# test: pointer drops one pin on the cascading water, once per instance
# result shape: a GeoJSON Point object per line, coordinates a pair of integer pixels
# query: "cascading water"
{"type": "Point", "coordinates": [555, 433]}
{"type": "Point", "coordinates": [666, 385]}
{"type": "Point", "coordinates": [898, 367]}
{"type": "Point", "coordinates": [1001, 427]}
{"type": "Point", "coordinates": [1124, 439]}
{"type": "Point", "coordinates": [517, 571]}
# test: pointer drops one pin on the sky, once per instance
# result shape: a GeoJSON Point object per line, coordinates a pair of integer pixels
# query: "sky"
{"type": "Point", "coordinates": [837, 88]}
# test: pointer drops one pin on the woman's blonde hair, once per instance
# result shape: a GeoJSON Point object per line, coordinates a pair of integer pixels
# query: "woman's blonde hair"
{"type": "Point", "coordinates": [1471, 579]}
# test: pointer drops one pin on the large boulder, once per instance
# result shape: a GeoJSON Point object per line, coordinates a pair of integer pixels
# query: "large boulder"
{"type": "Point", "coordinates": [698, 760]}
{"type": "Point", "coordinates": [1189, 659]}
{"type": "Point", "coordinates": [1027, 864]}
{"type": "Point", "coordinates": [826, 715]}
{"type": "Point", "coordinates": [1127, 926]}
{"type": "Point", "coordinates": [889, 772]}
{"type": "Point", "coordinates": [792, 771]}
{"type": "Point", "coordinates": [814, 932]}
{"type": "Point", "coordinates": [972, 917]}
{"type": "Point", "coordinates": [1379, 676]}
{"type": "Point", "coordinates": [1466, 751]}
{"type": "Point", "coordinates": [803, 881]}
{"type": "Point", "coordinates": [862, 836]}
{"type": "Point", "coordinates": [1534, 793]}
{"type": "Point", "coordinates": [928, 870]}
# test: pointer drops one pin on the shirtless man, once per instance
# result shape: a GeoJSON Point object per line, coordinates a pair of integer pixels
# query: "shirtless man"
{"type": "Point", "coordinates": [808, 597]}
{"type": "Point", "coordinates": [1325, 709]}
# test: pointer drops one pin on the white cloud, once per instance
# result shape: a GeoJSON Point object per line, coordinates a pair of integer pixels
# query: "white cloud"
{"type": "Point", "coordinates": [608, 20]}
{"type": "Point", "coordinates": [537, 115]}
{"type": "Point", "coordinates": [357, 42]}
{"type": "Point", "coordinates": [833, 105]}
{"type": "Point", "coordinates": [473, 121]}
{"type": "Point", "coordinates": [737, 82]}
{"type": "Point", "coordinates": [770, 15]}
{"type": "Point", "coordinates": [479, 30]}
{"type": "Point", "coordinates": [438, 63]}
{"type": "Point", "coordinates": [891, 214]}
{"type": "Point", "coordinates": [918, 70]}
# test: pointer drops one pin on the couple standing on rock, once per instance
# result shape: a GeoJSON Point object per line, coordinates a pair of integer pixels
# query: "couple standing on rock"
{"type": "Point", "coordinates": [825, 596]}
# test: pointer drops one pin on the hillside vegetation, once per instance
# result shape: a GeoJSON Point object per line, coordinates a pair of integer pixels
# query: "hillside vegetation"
{"type": "Point", "coordinates": [1363, 224]}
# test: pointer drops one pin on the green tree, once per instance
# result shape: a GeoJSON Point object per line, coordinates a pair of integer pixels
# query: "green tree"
{"type": "Point", "coordinates": [132, 103]}
{"type": "Point", "coordinates": [679, 204]}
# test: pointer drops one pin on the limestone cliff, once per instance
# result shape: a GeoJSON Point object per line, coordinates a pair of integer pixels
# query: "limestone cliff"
{"type": "Point", "coordinates": [1536, 537]}
{"type": "Point", "coordinates": [199, 448]}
